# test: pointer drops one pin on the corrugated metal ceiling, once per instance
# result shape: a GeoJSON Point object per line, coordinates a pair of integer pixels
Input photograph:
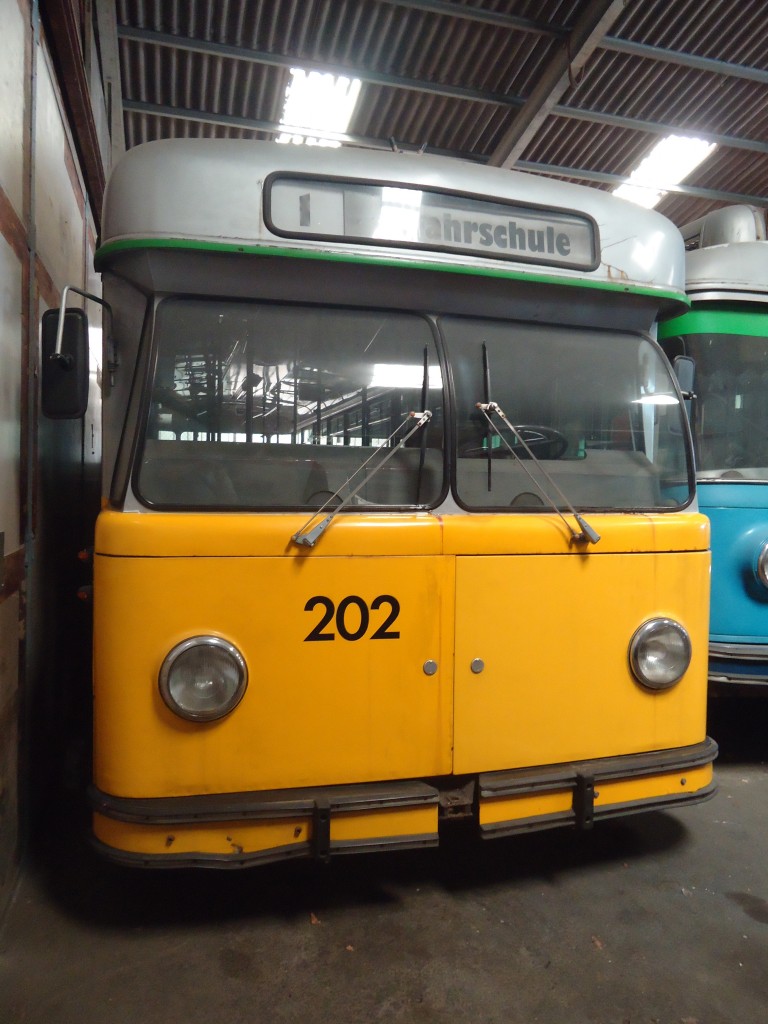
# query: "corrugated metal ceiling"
{"type": "Point", "coordinates": [577, 89]}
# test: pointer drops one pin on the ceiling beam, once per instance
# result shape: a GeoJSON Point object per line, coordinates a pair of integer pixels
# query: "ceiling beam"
{"type": "Point", "coordinates": [659, 128]}
{"type": "Point", "coordinates": [477, 14]}
{"type": "Point", "coordinates": [602, 178]}
{"type": "Point", "coordinates": [430, 88]}
{"type": "Point", "coordinates": [249, 124]}
{"type": "Point", "coordinates": [558, 76]}
{"type": "Point", "coordinates": [272, 128]}
{"type": "Point", "coordinates": [613, 43]}
{"type": "Point", "coordinates": [687, 60]}
{"type": "Point", "coordinates": [205, 46]}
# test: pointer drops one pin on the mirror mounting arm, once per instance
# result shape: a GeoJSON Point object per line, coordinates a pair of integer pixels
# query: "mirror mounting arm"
{"type": "Point", "coordinates": [64, 359]}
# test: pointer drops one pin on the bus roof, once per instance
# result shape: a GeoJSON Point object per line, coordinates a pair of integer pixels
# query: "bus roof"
{"type": "Point", "coordinates": [735, 270]}
{"type": "Point", "coordinates": [727, 255]}
{"type": "Point", "coordinates": [210, 194]}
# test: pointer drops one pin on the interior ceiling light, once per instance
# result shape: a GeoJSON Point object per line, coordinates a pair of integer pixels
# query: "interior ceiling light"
{"type": "Point", "coordinates": [317, 107]}
{"type": "Point", "coordinates": [670, 161]}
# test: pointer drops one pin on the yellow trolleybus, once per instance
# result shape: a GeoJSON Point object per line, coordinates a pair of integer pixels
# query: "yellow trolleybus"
{"type": "Point", "coordinates": [399, 518]}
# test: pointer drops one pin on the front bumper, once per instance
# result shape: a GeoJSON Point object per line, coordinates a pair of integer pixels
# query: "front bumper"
{"type": "Point", "coordinates": [241, 829]}
{"type": "Point", "coordinates": [738, 668]}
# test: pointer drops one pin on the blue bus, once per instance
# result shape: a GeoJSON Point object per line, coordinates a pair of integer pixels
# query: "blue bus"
{"type": "Point", "coordinates": [720, 348]}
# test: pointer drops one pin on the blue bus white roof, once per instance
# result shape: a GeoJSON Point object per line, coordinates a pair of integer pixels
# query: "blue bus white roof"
{"type": "Point", "coordinates": [736, 270]}
{"type": "Point", "coordinates": [209, 192]}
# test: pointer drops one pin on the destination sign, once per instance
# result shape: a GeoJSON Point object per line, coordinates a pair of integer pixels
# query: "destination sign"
{"type": "Point", "coordinates": [401, 216]}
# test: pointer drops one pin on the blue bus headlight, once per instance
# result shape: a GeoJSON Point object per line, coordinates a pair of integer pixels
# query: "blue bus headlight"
{"type": "Point", "coordinates": [660, 653]}
{"type": "Point", "coordinates": [203, 678]}
{"type": "Point", "coordinates": [761, 568]}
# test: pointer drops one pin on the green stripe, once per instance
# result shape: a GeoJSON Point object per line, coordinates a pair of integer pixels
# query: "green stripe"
{"type": "Point", "coordinates": [103, 254]}
{"type": "Point", "coordinates": [716, 321]}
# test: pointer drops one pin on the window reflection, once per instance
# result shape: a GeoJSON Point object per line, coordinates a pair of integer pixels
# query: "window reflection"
{"type": "Point", "coordinates": [731, 411]}
{"type": "Point", "coordinates": [598, 410]}
{"type": "Point", "coordinates": [256, 406]}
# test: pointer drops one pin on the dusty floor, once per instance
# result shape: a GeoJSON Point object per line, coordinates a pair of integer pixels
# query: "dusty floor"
{"type": "Point", "coordinates": [656, 918]}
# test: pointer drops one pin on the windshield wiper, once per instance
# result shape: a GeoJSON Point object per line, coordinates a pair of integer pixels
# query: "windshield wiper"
{"type": "Point", "coordinates": [487, 397]}
{"type": "Point", "coordinates": [584, 535]}
{"type": "Point", "coordinates": [307, 537]}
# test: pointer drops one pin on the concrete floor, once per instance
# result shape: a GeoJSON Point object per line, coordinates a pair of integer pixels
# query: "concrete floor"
{"type": "Point", "coordinates": [661, 918]}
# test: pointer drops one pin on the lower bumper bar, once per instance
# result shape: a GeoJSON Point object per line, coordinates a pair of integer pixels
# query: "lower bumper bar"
{"type": "Point", "coordinates": [241, 829]}
{"type": "Point", "coordinates": [738, 668]}
{"type": "Point", "coordinates": [578, 794]}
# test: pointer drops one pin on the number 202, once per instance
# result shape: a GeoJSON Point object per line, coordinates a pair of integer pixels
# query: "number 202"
{"type": "Point", "coordinates": [382, 632]}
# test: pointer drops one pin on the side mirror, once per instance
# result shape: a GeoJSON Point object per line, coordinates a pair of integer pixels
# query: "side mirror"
{"type": "Point", "coordinates": [685, 371]}
{"type": "Point", "coordinates": [64, 373]}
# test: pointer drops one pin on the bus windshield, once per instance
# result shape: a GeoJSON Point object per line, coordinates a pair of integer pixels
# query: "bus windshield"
{"type": "Point", "coordinates": [731, 416]}
{"type": "Point", "coordinates": [597, 408]}
{"type": "Point", "coordinates": [256, 405]}
{"type": "Point", "coordinates": [264, 406]}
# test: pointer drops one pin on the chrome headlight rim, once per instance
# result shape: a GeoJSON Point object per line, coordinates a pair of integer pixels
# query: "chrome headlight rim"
{"type": "Point", "coordinates": [638, 645]}
{"type": "Point", "coordinates": [165, 680]}
{"type": "Point", "coordinates": [761, 565]}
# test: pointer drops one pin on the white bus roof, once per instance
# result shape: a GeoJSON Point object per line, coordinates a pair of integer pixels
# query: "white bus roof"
{"type": "Point", "coordinates": [202, 193]}
{"type": "Point", "coordinates": [728, 255]}
{"type": "Point", "coordinates": [736, 270]}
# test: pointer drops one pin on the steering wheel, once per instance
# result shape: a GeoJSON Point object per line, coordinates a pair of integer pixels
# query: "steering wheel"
{"type": "Point", "coordinates": [527, 499]}
{"type": "Point", "coordinates": [321, 497]}
{"type": "Point", "coordinates": [544, 443]}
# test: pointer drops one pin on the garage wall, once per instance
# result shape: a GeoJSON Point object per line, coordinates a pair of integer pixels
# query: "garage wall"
{"type": "Point", "coordinates": [47, 469]}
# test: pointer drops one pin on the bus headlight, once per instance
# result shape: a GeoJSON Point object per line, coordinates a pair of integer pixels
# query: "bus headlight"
{"type": "Point", "coordinates": [203, 678]}
{"type": "Point", "coordinates": [659, 653]}
{"type": "Point", "coordinates": [761, 569]}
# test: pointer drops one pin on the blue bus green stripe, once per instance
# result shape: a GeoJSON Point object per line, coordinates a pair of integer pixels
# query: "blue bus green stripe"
{"type": "Point", "coordinates": [716, 321]}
